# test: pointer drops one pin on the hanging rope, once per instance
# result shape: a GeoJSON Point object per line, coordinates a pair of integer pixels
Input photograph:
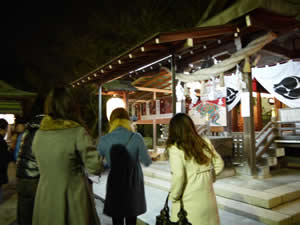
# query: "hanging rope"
{"type": "Point", "coordinates": [229, 63]}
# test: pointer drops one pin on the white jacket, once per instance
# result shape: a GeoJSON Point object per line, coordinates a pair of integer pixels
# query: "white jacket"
{"type": "Point", "coordinates": [193, 183]}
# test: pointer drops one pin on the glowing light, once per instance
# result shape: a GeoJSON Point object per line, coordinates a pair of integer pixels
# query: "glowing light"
{"type": "Point", "coordinates": [10, 118]}
{"type": "Point", "coordinates": [112, 104]}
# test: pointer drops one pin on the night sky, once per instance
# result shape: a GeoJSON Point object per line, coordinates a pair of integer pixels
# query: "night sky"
{"type": "Point", "coordinates": [46, 43]}
{"type": "Point", "coordinates": [30, 26]}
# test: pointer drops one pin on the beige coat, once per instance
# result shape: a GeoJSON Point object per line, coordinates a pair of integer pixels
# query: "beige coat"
{"type": "Point", "coordinates": [63, 196]}
{"type": "Point", "coordinates": [193, 182]}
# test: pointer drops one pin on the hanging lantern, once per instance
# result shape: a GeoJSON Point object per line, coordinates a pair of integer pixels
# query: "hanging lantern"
{"type": "Point", "coordinates": [112, 104]}
{"type": "Point", "coordinates": [10, 118]}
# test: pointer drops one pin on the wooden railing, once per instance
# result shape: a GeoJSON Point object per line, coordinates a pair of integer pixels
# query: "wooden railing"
{"type": "Point", "coordinates": [268, 125]}
{"type": "Point", "coordinates": [270, 132]}
{"type": "Point", "coordinates": [274, 130]}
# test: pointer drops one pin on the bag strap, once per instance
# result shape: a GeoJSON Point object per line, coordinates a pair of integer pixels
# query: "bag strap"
{"type": "Point", "coordinates": [167, 200]}
{"type": "Point", "coordinates": [131, 135]}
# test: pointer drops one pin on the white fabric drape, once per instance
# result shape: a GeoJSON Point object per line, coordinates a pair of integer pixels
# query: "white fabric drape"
{"type": "Point", "coordinates": [233, 84]}
{"type": "Point", "coordinates": [227, 64]}
{"type": "Point", "coordinates": [282, 81]}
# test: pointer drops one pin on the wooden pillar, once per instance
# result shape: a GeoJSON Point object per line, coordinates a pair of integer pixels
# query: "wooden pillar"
{"type": "Point", "coordinates": [234, 119]}
{"type": "Point", "coordinates": [229, 122]}
{"type": "Point", "coordinates": [277, 105]}
{"type": "Point", "coordinates": [274, 118]}
{"type": "Point", "coordinates": [154, 128]}
{"type": "Point", "coordinates": [173, 71]}
{"type": "Point", "coordinates": [125, 99]}
{"type": "Point", "coordinates": [241, 120]}
{"type": "Point", "coordinates": [247, 113]}
{"type": "Point", "coordinates": [259, 111]}
{"type": "Point", "coordinates": [100, 111]}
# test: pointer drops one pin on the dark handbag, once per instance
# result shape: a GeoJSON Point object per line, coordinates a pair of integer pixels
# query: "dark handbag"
{"type": "Point", "coordinates": [164, 217]}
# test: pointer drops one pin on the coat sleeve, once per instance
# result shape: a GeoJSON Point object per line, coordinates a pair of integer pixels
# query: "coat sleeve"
{"type": "Point", "coordinates": [90, 157]}
{"type": "Point", "coordinates": [217, 160]}
{"type": "Point", "coordinates": [178, 174]}
{"type": "Point", "coordinates": [101, 147]}
{"type": "Point", "coordinates": [143, 151]}
{"type": "Point", "coordinates": [6, 156]}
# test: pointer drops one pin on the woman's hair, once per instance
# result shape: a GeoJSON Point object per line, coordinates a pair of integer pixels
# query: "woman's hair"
{"type": "Point", "coordinates": [119, 117]}
{"type": "Point", "coordinates": [60, 104]}
{"type": "Point", "coordinates": [183, 133]}
{"type": "Point", "coordinates": [3, 124]}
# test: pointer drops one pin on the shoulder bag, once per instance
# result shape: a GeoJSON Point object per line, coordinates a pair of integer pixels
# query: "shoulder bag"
{"type": "Point", "coordinates": [164, 217]}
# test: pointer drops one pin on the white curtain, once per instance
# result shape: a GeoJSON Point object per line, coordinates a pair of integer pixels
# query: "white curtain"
{"type": "Point", "coordinates": [282, 81]}
{"type": "Point", "coordinates": [223, 66]}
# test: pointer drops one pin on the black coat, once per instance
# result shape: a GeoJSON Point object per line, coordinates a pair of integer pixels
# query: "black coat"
{"type": "Point", "coordinates": [5, 158]}
{"type": "Point", "coordinates": [125, 195]}
{"type": "Point", "coordinates": [26, 163]}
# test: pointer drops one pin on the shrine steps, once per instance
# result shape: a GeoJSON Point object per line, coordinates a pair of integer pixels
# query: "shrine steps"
{"type": "Point", "coordinates": [274, 201]}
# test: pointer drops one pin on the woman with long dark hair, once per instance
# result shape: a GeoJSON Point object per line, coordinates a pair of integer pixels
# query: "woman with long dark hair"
{"type": "Point", "coordinates": [64, 150]}
{"type": "Point", "coordinates": [191, 159]}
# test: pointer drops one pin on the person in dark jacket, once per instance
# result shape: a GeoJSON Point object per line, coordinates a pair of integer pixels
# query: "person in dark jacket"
{"type": "Point", "coordinates": [5, 156]}
{"type": "Point", "coordinates": [27, 173]}
{"type": "Point", "coordinates": [123, 150]}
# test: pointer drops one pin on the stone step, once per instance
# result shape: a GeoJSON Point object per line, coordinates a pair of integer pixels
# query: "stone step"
{"type": "Point", "coordinates": [266, 216]}
{"type": "Point", "coordinates": [161, 165]}
{"type": "Point", "coordinates": [267, 160]}
{"type": "Point", "coordinates": [159, 172]}
{"type": "Point", "coordinates": [157, 183]}
{"type": "Point", "coordinates": [268, 198]}
{"type": "Point", "coordinates": [280, 216]}
{"type": "Point", "coordinates": [291, 209]}
{"type": "Point", "coordinates": [155, 201]}
{"type": "Point", "coordinates": [288, 213]}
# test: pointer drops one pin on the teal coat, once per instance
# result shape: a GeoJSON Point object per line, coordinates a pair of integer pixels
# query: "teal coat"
{"type": "Point", "coordinates": [125, 195]}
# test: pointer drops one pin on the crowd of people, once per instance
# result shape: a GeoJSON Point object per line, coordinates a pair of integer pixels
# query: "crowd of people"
{"type": "Point", "coordinates": [55, 154]}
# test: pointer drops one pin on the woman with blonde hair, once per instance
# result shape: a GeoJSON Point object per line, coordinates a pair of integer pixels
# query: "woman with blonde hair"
{"type": "Point", "coordinates": [191, 159]}
{"type": "Point", "coordinates": [123, 149]}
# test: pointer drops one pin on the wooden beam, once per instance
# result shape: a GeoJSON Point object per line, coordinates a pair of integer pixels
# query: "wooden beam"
{"type": "Point", "coordinates": [158, 121]}
{"type": "Point", "coordinates": [119, 74]}
{"type": "Point", "coordinates": [277, 51]}
{"type": "Point", "coordinates": [152, 47]}
{"type": "Point", "coordinates": [201, 33]}
{"type": "Point", "coordinates": [262, 19]}
{"type": "Point", "coordinates": [153, 90]}
{"type": "Point", "coordinates": [163, 81]}
{"type": "Point", "coordinates": [201, 53]}
{"type": "Point", "coordinates": [154, 79]}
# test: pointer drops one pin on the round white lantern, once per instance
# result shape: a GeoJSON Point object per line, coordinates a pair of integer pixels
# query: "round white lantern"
{"type": "Point", "coordinates": [112, 104]}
